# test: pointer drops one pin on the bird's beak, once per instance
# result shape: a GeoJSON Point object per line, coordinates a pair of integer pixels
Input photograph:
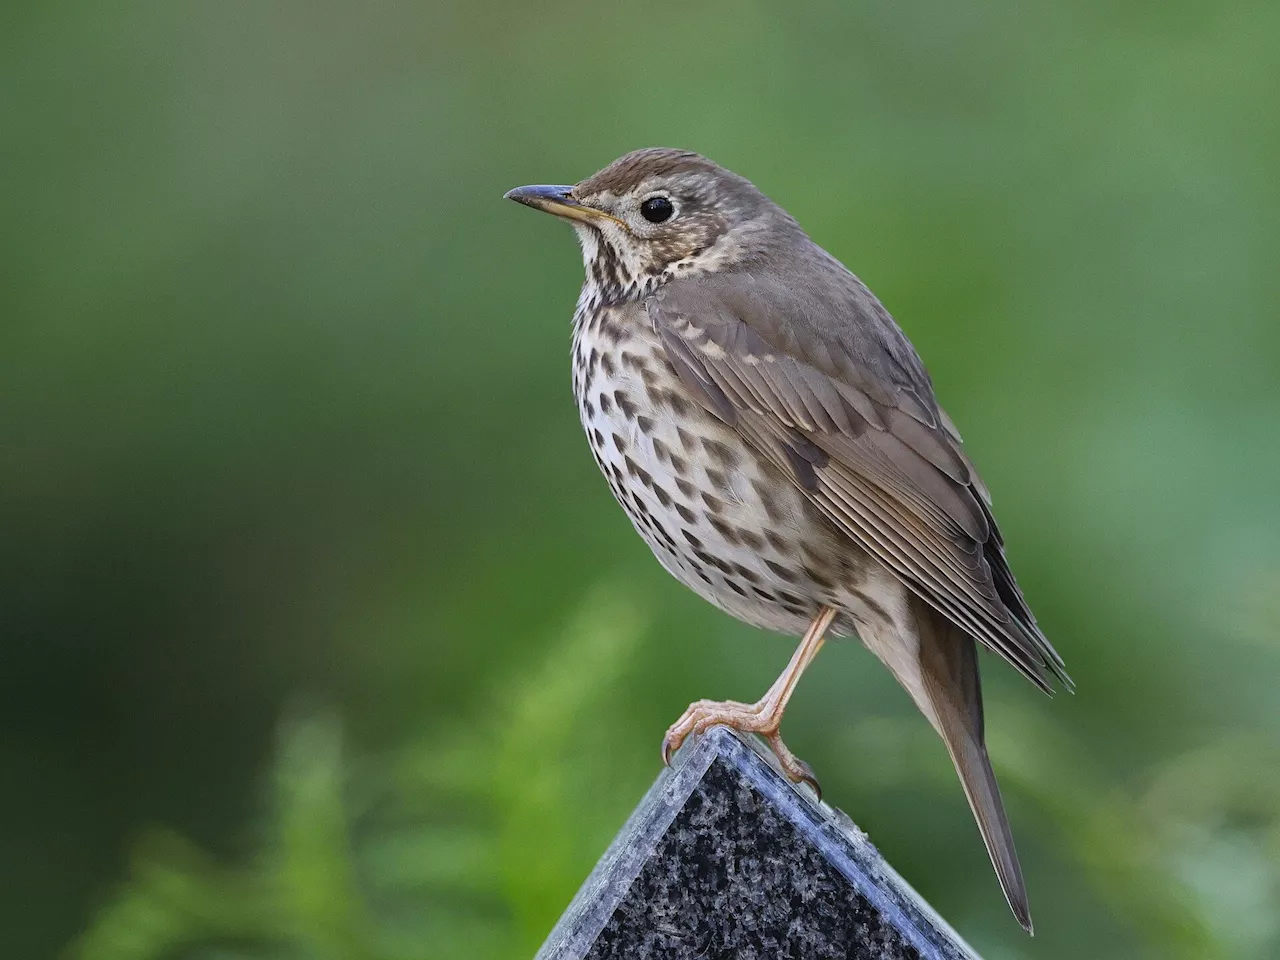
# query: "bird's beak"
{"type": "Point", "coordinates": [557, 200]}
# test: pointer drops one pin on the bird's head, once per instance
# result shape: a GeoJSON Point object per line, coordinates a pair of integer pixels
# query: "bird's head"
{"type": "Point", "coordinates": [659, 213]}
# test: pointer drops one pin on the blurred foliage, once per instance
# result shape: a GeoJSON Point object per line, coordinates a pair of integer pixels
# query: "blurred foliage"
{"type": "Point", "coordinates": [286, 418]}
{"type": "Point", "coordinates": [422, 854]}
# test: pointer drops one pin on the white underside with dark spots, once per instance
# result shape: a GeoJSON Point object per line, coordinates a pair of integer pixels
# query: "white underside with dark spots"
{"type": "Point", "coordinates": [722, 520]}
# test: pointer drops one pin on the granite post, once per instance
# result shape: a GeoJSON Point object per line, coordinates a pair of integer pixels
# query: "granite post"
{"type": "Point", "coordinates": [725, 860]}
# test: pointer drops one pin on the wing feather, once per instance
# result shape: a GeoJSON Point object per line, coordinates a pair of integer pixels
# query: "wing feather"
{"type": "Point", "coordinates": [823, 383]}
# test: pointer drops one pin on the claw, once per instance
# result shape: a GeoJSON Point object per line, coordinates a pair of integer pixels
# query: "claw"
{"type": "Point", "coordinates": [796, 770]}
{"type": "Point", "coordinates": [672, 742]}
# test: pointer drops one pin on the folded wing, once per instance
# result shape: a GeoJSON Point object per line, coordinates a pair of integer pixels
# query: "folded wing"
{"type": "Point", "coordinates": [821, 381]}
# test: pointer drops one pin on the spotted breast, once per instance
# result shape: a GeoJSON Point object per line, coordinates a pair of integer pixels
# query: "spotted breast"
{"type": "Point", "coordinates": [721, 519]}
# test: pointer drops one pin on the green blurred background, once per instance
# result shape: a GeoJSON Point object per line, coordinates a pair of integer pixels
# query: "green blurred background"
{"type": "Point", "coordinates": [322, 637]}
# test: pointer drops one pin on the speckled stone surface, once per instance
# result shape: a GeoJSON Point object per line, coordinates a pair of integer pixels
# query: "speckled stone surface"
{"type": "Point", "coordinates": [725, 859]}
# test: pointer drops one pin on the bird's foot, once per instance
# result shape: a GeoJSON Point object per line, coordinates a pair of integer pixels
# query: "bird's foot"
{"type": "Point", "coordinates": [763, 718]}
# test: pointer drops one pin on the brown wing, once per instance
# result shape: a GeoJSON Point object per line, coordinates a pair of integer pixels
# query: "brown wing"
{"type": "Point", "coordinates": [817, 377]}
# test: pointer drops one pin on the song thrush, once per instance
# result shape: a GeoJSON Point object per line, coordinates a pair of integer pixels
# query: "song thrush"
{"type": "Point", "coordinates": [775, 439]}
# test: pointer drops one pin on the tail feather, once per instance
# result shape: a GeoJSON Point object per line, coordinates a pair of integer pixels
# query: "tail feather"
{"type": "Point", "coordinates": [951, 689]}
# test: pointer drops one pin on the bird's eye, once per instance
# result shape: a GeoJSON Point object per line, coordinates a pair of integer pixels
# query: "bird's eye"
{"type": "Point", "coordinates": [657, 209]}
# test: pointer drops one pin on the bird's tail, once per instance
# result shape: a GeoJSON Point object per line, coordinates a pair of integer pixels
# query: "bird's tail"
{"type": "Point", "coordinates": [953, 691]}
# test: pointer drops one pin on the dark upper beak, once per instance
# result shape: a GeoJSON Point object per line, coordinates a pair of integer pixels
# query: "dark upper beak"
{"type": "Point", "coordinates": [557, 200]}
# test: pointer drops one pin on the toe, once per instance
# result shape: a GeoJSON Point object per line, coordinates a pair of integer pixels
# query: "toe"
{"type": "Point", "coordinates": [676, 735]}
{"type": "Point", "coordinates": [796, 770]}
{"type": "Point", "coordinates": [803, 773]}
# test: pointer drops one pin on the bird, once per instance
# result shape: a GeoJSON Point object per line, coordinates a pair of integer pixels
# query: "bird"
{"type": "Point", "coordinates": [775, 439]}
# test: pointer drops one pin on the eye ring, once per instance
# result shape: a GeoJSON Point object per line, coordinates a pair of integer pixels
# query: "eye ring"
{"type": "Point", "coordinates": [657, 208]}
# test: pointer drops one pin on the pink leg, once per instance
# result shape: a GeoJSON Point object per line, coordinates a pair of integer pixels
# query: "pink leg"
{"type": "Point", "coordinates": [765, 715]}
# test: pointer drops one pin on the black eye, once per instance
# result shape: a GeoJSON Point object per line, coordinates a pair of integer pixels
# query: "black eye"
{"type": "Point", "coordinates": [657, 209]}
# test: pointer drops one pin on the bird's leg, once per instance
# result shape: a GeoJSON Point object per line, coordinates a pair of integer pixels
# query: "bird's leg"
{"type": "Point", "coordinates": [765, 715]}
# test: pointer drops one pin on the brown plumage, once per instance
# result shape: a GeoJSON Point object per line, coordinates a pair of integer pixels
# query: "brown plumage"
{"type": "Point", "coordinates": [775, 439]}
